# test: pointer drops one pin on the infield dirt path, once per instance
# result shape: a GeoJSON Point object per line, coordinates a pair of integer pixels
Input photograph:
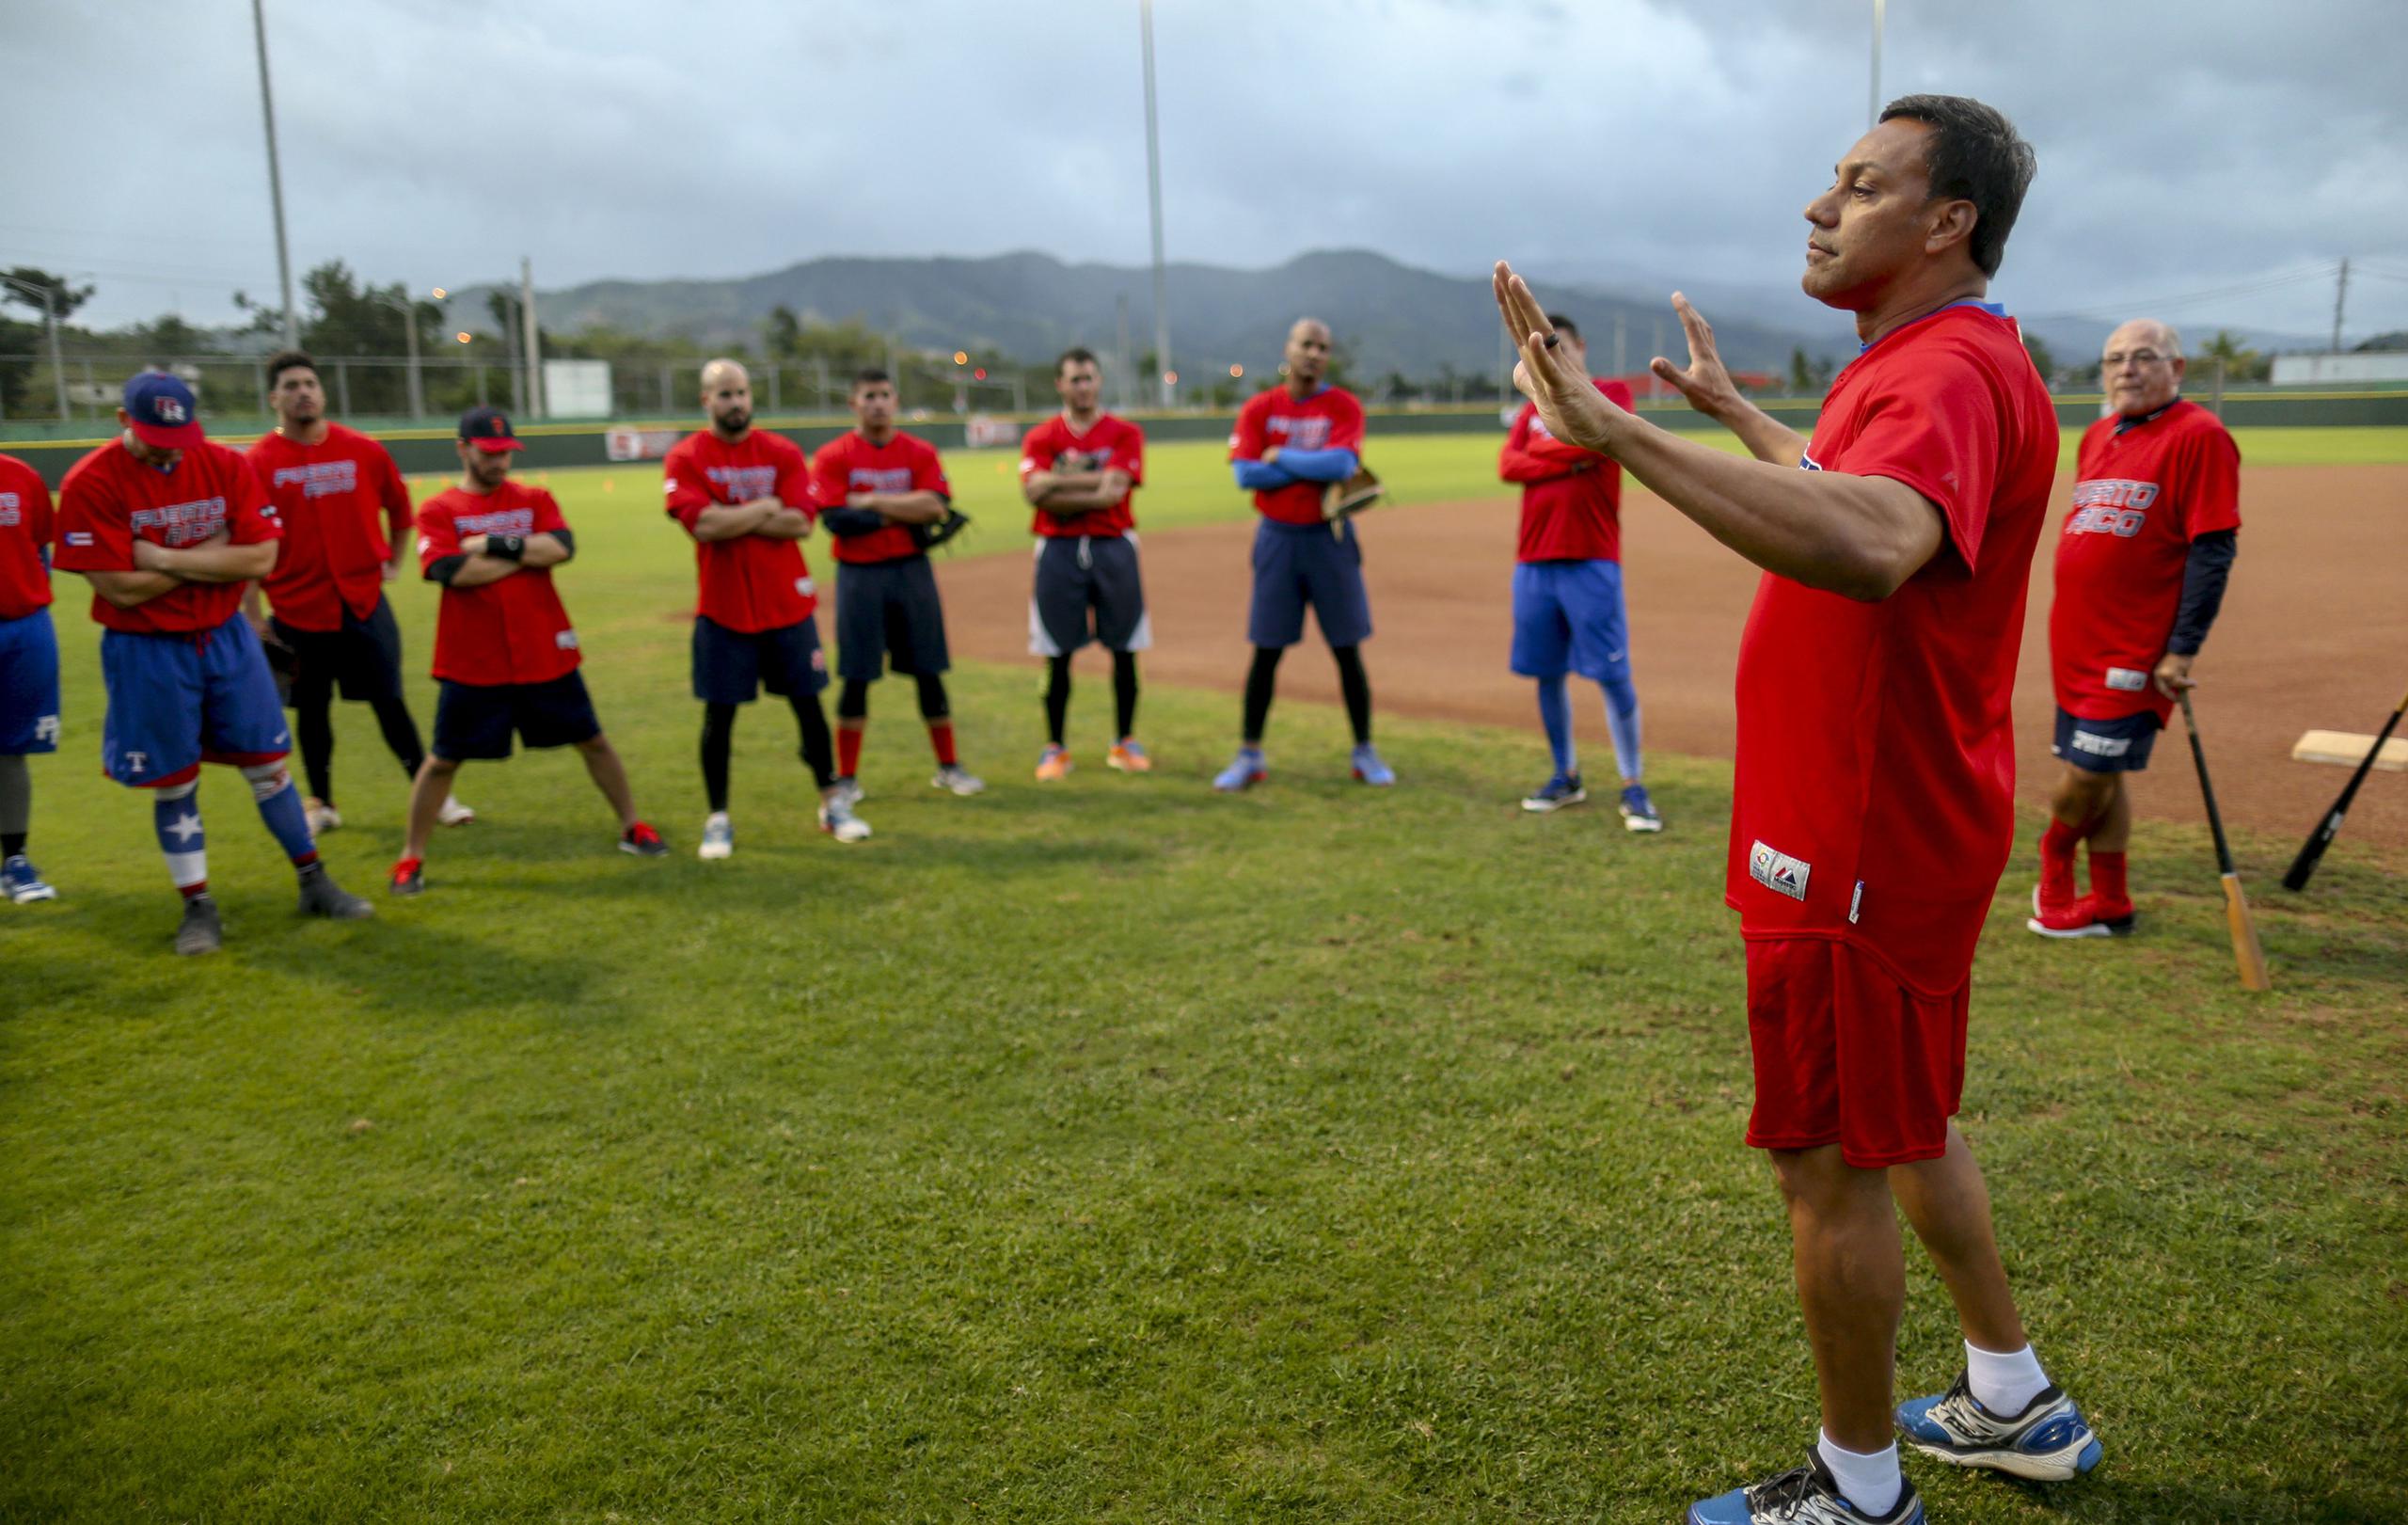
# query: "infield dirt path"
{"type": "Point", "coordinates": [2314, 634]}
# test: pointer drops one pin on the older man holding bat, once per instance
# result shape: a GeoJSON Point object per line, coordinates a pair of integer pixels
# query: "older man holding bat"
{"type": "Point", "coordinates": [1874, 807]}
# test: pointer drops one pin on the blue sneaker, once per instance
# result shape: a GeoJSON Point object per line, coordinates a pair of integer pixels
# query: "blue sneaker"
{"type": "Point", "coordinates": [1245, 770]}
{"type": "Point", "coordinates": [1561, 790]}
{"type": "Point", "coordinates": [22, 883]}
{"type": "Point", "coordinates": [2047, 1443]}
{"type": "Point", "coordinates": [1369, 768]}
{"type": "Point", "coordinates": [1806, 1496]}
{"type": "Point", "coordinates": [1638, 811]}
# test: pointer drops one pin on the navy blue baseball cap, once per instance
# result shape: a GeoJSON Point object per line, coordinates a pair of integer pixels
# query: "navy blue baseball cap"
{"type": "Point", "coordinates": [489, 430]}
{"type": "Point", "coordinates": [164, 414]}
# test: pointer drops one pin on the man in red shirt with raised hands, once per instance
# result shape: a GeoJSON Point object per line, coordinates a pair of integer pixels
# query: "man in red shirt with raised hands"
{"type": "Point", "coordinates": [1873, 803]}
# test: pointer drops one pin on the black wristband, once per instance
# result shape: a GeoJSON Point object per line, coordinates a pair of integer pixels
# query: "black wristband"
{"type": "Point", "coordinates": [509, 548]}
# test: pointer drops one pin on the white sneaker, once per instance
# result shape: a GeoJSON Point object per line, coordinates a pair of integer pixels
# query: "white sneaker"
{"type": "Point", "coordinates": [322, 817]}
{"type": "Point", "coordinates": [453, 813]}
{"type": "Point", "coordinates": [837, 819]}
{"type": "Point", "coordinates": [719, 837]}
{"type": "Point", "coordinates": [957, 780]}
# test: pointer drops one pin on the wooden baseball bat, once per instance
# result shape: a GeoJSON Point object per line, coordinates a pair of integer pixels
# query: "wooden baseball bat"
{"type": "Point", "coordinates": [2245, 949]}
{"type": "Point", "coordinates": [2311, 851]}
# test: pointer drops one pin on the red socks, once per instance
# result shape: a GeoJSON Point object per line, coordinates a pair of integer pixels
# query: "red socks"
{"type": "Point", "coordinates": [941, 738]}
{"type": "Point", "coordinates": [2107, 885]}
{"type": "Point", "coordinates": [849, 750]}
{"type": "Point", "coordinates": [2057, 846]}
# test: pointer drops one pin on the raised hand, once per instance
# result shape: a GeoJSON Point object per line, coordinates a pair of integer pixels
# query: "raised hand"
{"type": "Point", "coordinates": [1704, 382]}
{"type": "Point", "coordinates": [1548, 375]}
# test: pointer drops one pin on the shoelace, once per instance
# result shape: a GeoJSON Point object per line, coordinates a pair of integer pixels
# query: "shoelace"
{"type": "Point", "coordinates": [1792, 1490]}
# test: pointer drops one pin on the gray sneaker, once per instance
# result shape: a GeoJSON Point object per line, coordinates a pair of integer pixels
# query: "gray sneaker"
{"type": "Point", "coordinates": [956, 779]}
{"type": "Point", "coordinates": [200, 931]}
{"type": "Point", "coordinates": [322, 897]}
{"type": "Point", "coordinates": [837, 819]}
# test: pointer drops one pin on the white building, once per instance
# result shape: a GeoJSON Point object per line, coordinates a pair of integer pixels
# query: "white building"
{"type": "Point", "coordinates": [2373, 365]}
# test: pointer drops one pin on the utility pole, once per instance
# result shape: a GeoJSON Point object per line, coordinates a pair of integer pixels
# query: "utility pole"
{"type": "Point", "coordinates": [1154, 190]}
{"type": "Point", "coordinates": [1619, 362]}
{"type": "Point", "coordinates": [409, 344]}
{"type": "Point", "coordinates": [533, 345]}
{"type": "Point", "coordinates": [2340, 296]}
{"type": "Point", "coordinates": [274, 179]}
{"type": "Point", "coordinates": [1872, 110]}
{"type": "Point", "coordinates": [1128, 379]}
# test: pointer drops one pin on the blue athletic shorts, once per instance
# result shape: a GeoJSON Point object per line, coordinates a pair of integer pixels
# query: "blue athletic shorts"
{"type": "Point", "coordinates": [888, 611]}
{"type": "Point", "coordinates": [475, 721]}
{"type": "Point", "coordinates": [1568, 617]}
{"type": "Point", "coordinates": [1296, 565]}
{"type": "Point", "coordinates": [2121, 746]}
{"type": "Point", "coordinates": [1075, 574]}
{"type": "Point", "coordinates": [28, 685]}
{"type": "Point", "coordinates": [178, 700]}
{"type": "Point", "coordinates": [731, 667]}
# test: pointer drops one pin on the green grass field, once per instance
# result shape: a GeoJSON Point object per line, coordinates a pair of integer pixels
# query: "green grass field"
{"type": "Point", "coordinates": [1110, 1151]}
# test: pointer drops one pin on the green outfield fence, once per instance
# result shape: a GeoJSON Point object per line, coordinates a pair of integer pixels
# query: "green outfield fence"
{"type": "Point", "coordinates": [423, 450]}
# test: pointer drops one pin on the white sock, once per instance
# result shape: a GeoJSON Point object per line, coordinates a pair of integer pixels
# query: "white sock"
{"type": "Point", "coordinates": [2003, 1384]}
{"type": "Point", "coordinates": [1872, 1483]}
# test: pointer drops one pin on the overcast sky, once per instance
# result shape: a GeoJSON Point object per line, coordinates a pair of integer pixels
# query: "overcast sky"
{"type": "Point", "coordinates": [2185, 145]}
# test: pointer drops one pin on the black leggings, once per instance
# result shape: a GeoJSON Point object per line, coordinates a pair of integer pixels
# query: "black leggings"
{"type": "Point", "coordinates": [313, 731]}
{"type": "Point", "coordinates": [1124, 695]}
{"type": "Point", "coordinates": [1262, 678]}
{"type": "Point", "coordinates": [852, 702]}
{"type": "Point", "coordinates": [719, 740]}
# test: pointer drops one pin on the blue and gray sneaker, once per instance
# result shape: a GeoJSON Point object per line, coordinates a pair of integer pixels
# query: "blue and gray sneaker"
{"type": "Point", "coordinates": [1638, 811]}
{"type": "Point", "coordinates": [2047, 1443]}
{"type": "Point", "coordinates": [1806, 1496]}
{"type": "Point", "coordinates": [1245, 770]}
{"type": "Point", "coordinates": [1369, 768]}
{"type": "Point", "coordinates": [1560, 790]}
{"type": "Point", "coordinates": [22, 883]}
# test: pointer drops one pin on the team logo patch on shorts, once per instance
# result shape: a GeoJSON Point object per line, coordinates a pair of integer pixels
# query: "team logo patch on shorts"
{"type": "Point", "coordinates": [2101, 746]}
{"type": "Point", "coordinates": [1778, 871]}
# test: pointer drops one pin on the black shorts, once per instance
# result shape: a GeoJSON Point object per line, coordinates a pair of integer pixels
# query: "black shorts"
{"type": "Point", "coordinates": [363, 658]}
{"type": "Point", "coordinates": [2121, 746]}
{"type": "Point", "coordinates": [473, 720]}
{"type": "Point", "coordinates": [731, 667]}
{"type": "Point", "coordinates": [1077, 574]}
{"type": "Point", "coordinates": [888, 612]}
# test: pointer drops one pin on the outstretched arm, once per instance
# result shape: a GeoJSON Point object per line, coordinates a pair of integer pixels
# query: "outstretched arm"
{"type": "Point", "coordinates": [1709, 388]}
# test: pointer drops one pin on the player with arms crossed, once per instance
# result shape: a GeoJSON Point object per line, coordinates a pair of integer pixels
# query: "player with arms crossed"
{"type": "Point", "coordinates": [874, 483]}
{"type": "Point", "coordinates": [744, 494]}
{"type": "Point", "coordinates": [1290, 444]}
{"type": "Point", "coordinates": [28, 669]}
{"type": "Point", "coordinates": [1080, 469]}
{"type": "Point", "coordinates": [1567, 594]}
{"type": "Point", "coordinates": [2141, 572]}
{"type": "Point", "coordinates": [347, 532]}
{"type": "Point", "coordinates": [168, 527]}
{"type": "Point", "coordinates": [505, 656]}
{"type": "Point", "coordinates": [1873, 803]}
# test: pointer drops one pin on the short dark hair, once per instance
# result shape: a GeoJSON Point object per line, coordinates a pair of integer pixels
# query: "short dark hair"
{"type": "Point", "coordinates": [1975, 155]}
{"type": "Point", "coordinates": [1076, 355]}
{"type": "Point", "coordinates": [1562, 324]}
{"type": "Point", "coordinates": [870, 375]}
{"type": "Point", "coordinates": [285, 359]}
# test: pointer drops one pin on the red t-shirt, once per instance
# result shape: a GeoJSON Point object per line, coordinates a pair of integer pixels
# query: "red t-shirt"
{"type": "Point", "coordinates": [2140, 496]}
{"type": "Point", "coordinates": [1567, 515]}
{"type": "Point", "coordinates": [512, 631]}
{"type": "Point", "coordinates": [1874, 798]}
{"type": "Point", "coordinates": [1112, 445]}
{"type": "Point", "coordinates": [751, 582]}
{"type": "Point", "coordinates": [25, 529]}
{"type": "Point", "coordinates": [109, 499]}
{"type": "Point", "coordinates": [849, 464]}
{"type": "Point", "coordinates": [337, 499]}
{"type": "Point", "coordinates": [1330, 419]}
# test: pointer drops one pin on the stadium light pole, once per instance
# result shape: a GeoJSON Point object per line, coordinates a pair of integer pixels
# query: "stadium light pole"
{"type": "Point", "coordinates": [275, 177]}
{"type": "Point", "coordinates": [1872, 110]}
{"type": "Point", "coordinates": [1154, 195]}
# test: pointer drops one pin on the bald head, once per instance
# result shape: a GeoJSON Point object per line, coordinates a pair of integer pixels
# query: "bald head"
{"type": "Point", "coordinates": [1308, 355]}
{"type": "Point", "coordinates": [2142, 367]}
{"type": "Point", "coordinates": [727, 397]}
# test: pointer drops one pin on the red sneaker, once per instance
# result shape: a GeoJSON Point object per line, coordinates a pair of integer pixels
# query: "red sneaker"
{"type": "Point", "coordinates": [642, 840]}
{"type": "Point", "coordinates": [2085, 918]}
{"type": "Point", "coordinates": [408, 877]}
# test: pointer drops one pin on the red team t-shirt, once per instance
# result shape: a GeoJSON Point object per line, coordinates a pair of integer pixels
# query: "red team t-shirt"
{"type": "Point", "coordinates": [851, 464]}
{"type": "Point", "coordinates": [109, 499]}
{"type": "Point", "coordinates": [1330, 419]}
{"type": "Point", "coordinates": [750, 583]}
{"type": "Point", "coordinates": [509, 631]}
{"type": "Point", "coordinates": [1875, 789]}
{"type": "Point", "coordinates": [1567, 515]}
{"type": "Point", "coordinates": [339, 499]}
{"type": "Point", "coordinates": [1112, 445]}
{"type": "Point", "coordinates": [2140, 496]}
{"type": "Point", "coordinates": [24, 529]}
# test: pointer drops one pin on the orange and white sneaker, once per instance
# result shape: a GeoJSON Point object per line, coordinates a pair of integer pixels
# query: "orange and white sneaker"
{"type": "Point", "coordinates": [1127, 756]}
{"type": "Point", "coordinates": [1054, 765]}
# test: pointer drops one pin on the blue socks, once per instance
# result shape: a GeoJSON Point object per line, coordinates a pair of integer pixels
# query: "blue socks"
{"type": "Point", "coordinates": [1555, 713]}
{"type": "Point", "coordinates": [175, 815]}
{"type": "Point", "coordinates": [280, 807]}
{"type": "Point", "coordinates": [1621, 719]}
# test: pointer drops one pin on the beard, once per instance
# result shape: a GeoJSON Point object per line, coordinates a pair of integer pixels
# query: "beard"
{"type": "Point", "coordinates": [735, 423]}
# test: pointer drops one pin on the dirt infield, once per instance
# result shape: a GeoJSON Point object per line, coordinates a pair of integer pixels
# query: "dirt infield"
{"type": "Point", "coordinates": [2314, 634]}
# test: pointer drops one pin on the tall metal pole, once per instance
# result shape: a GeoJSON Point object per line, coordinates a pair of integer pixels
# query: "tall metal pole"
{"type": "Point", "coordinates": [533, 346]}
{"type": "Point", "coordinates": [1872, 110]}
{"type": "Point", "coordinates": [274, 179]}
{"type": "Point", "coordinates": [57, 362]}
{"type": "Point", "coordinates": [2341, 294]}
{"type": "Point", "coordinates": [410, 342]}
{"type": "Point", "coordinates": [1154, 192]}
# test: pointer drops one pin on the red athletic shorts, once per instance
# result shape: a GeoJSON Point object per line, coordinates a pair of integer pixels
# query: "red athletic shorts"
{"type": "Point", "coordinates": [1845, 1055]}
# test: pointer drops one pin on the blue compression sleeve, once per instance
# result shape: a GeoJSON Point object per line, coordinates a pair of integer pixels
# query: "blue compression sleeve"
{"type": "Point", "coordinates": [2203, 579]}
{"type": "Point", "coordinates": [1320, 464]}
{"type": "Point", "coordinates": [1622, 723]}
{"type": "Point", "coordinates": [1256, 477]}
{"type": "Point", "coordinates": [1555, 713]}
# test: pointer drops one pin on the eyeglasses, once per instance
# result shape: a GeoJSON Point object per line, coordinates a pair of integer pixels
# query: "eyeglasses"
{"type": "Point", "coordinates": [2138, 356]}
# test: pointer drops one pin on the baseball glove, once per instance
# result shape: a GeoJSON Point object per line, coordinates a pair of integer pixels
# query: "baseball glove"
{"type": "Point", "coordinates": [1352, 496]}
{"type": "Point", "coordinates": [929, 536]}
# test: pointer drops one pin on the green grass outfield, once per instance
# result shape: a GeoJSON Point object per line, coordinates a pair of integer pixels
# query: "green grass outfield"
{"type": "Point", "coordinates": [1111, 1152]}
